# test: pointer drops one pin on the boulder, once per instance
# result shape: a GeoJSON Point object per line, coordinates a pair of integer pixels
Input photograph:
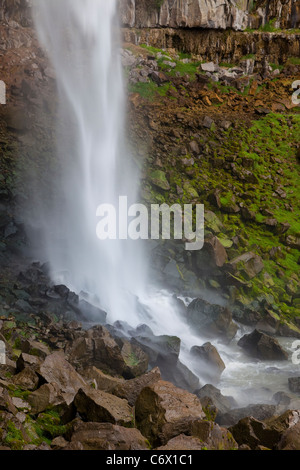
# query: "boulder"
{"type": "Point", "coordinates": [214, 437]}
{"type": "Point", "coordinates": [211, 320]}
{"type": "Point", "coordinates": [101, 381]}
{"type": "Point", "coordinates": [47, 395]}
{"type": "Point", "coordinates": [27, 360]}
{"type": "Point", "coordinates": [130, 389]}
{"type": "Point", "coordinates": [182, 442]}
{"type": "Point", "coordinates": [222, 403]}
{"type": "Point", "coordinates": [163, 411]}
{"type": "Point", "coordinates": [208, 361]}
{"type": "Point", "coordinates": [99, 406]}
{"type": "Point", "coordinates": [262, 346]}
{"type": "Point", "coordinates": [135, 359]}
{"type": "Point", "coordinates": [107, 436]}
{"type": "Point", "coordinates": [248, 264]}
{"type": "Point", "coordinates": [294, 384]}
{"type": "Point", "coordinates": [35, 348]}
{"type": "Point", "coordinates": [27, 379]}
{"type": "Point", "coordinates": [253, 433]}
{"type": "Point", "coordinates": [100, 349]}
{"type": "Point", "coordinates": [290, 439]}
{"type": "Point", "coordinates": [216, 250]}
{"type": "Point", "coordinates": [57, 370]}
{"type": "Point", "coordinates": [257, 411]}
{"type": "Point", "coordinates": [6, 403]}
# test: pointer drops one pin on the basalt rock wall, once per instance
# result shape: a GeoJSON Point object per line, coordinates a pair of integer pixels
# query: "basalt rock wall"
{"type": "Point", "coordinates": [210, 14]}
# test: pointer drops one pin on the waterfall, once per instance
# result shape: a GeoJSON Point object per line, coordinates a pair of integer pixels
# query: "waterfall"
{"type": "Point", "coordinates": [82, 42]}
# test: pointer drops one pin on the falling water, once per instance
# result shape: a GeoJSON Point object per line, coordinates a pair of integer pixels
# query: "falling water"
{"type": "Point", "coordinates": [81, 39]}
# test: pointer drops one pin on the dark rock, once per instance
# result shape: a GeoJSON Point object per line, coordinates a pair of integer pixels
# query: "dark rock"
{"type": "Point", "coordinates": [262, 346]}
{"type": "Point", "coordinates": [211, 320]}
{"type": "Point", "coordinates": [27, 379]}
{"type": "Point", "coordinates": [106, 436]}
{"type": "Point", "coordinates": [208, 361]}
{"type": "Point", "coordinates": [98, 406]}
{"type": "Point", "coordinates": [130, 389]}
{"type": "Point", "coordinates": [56, 370]}
{"type": "Point", "coordinates": [253, 433]}
{"type": "Point", "coordinates": [164, 411]}
{"type": "Point", "coordinates": [294, 384]}
{"type": "Point", "coordinates": [290, 440]}
{"type": "Point", "coordinates": [260, 412]}
{"type": "Point", "coordinates": [223, 404]}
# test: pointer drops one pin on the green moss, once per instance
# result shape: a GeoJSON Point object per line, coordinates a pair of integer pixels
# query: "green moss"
{"type": "Point", "coordinates": [14, 438]}
{"type": "Point", "coordinates": [48, 425]}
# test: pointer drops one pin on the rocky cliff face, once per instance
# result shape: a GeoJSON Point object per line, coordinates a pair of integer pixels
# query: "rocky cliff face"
{"type": "Point", "coordinates": [16, 10]}
{"type": "Point", "coordinates": [209, 14]}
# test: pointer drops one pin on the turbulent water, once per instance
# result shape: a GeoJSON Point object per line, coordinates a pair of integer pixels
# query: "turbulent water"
{"type": "Point", "coordinates": [81, 39]}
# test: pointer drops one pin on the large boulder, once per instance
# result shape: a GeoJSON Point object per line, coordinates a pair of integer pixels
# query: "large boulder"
{"type": "Point", "coordinates": [99, 406]}
{"type": "Point", "coordinates": [262, 346]}
{"type": "Point", "coordinates": [257, 411]}
{"type": "Point", "coordinates": [272, 433]}
{"type": "Point", "coordinates": [48, 395]}
{"type": "Point", "coordinates": [27, 379]}
{"type": "Point", "coordinates": [290, 439]}
{"type": "Point", "coordinates": [163, 411]}
{"type": "Point", "coordinates": [211, 320]}
{"type": "Point", "coordinates": [214, 436]}
{"type": "Point", "coordinates": [130, 389]}
{"type": "Point", "coordinates": [254, 433]}
{"type": "Point", "coordinates": [106, 436]}
{"type": "Point", "coordinates": [211, 397]}
{"type": "Point", "coordinates": [208, 361]}
{"type": "Point", "coordinates": [57, 370]}
{"type": "Point", "coordinates": [100, 349]}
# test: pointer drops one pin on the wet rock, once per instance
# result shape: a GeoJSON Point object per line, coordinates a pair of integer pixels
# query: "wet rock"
{"type": "Point", "coordinates": [290, 439]}
{"type": "Point", "coordinates": [211, 320]}
{"type": "Point", "coordinates": [164, 411]}
{"type": "Point", "coordinates": [208, 361]}
{"type": "Point", "coordinates": [294, 384]}
{"type": "Point", "coordinates": [107, 436]}
{"type": "Point", "coordinates": [135, 359]}
{"type": "Point", "coordinates": [182, 442]}
{"type": "Point", "coordinates": [260, 412]}
{"type": "Point", "coordinates": [99, 406]}
{"type": "Point", "coordinates": [253, 433]}
{"type": "Point", "coordinates": [214, 436]}
{"type": "Point", "coordinates": [262, 346]}
{"type": "Point", "coordinates": [222, 404]}
{"type": "Point", "coordinates": [130, 389]}
{"type": "Point", "coordinates": [99, 349]}
{"type": "Point", "coordinates": [281, 398]}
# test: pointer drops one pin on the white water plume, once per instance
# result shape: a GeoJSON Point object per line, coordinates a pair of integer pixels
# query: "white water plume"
{"type": "Point", "coordinates": [82, 42]}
